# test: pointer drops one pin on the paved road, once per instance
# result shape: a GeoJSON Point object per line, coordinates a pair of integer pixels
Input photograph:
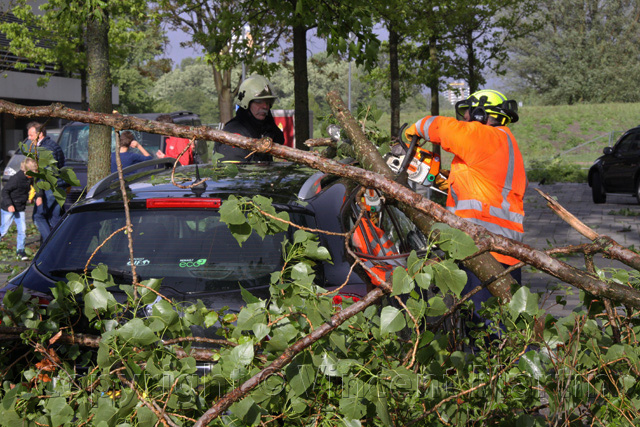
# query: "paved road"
{"type": "Point", "coordinates": [618, 218]}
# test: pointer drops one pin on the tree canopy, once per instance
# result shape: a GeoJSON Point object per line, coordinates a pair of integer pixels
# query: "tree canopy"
{"type": "Point", "coordinates": [586, 52]}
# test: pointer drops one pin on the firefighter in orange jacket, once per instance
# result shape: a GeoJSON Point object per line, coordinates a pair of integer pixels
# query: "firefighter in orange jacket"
{"type": "Point", "coordinates": [487, 180]}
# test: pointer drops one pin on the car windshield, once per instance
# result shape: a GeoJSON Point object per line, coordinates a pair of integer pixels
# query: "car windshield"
{"type": "Point", "coordinates": [74, 141]}
{"type": "Point", "coordinates": [191, 249]}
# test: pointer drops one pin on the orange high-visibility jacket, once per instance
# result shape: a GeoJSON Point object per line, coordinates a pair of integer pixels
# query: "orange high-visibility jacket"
{"type": "Point", "coordinates": [487, 180]}
{"type": "Point", "coordinates": [378, 250]}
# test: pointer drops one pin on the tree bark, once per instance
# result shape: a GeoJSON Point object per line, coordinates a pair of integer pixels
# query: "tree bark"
{"type": "Point", "coordinates": [222, 80]}
{"type": "Point", "coordinates": [434, 85]}
{"type": "Point", "coordinates": [99, 85]}
{"type": "Point", "coordinates": [301, 86]}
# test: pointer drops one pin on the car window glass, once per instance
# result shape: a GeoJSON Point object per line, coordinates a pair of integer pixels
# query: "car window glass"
{"type": "Point", "coordinates": [74, 141]}
{"type": "Point", "coordinates": [628, 144]}
{"type": "Point", "coordinates": [192, 250]}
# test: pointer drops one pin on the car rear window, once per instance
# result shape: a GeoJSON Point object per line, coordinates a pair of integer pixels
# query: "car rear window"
{"type": "Point", "coordinates": [74, 141]}
{"type": "Point", "coordinates": [191, 249]}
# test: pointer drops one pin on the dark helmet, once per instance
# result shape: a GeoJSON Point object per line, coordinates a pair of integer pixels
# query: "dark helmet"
{"type": "Point", "coordinates": [485, 103]}
{"type": "Point", "coordinates": [252, 88]}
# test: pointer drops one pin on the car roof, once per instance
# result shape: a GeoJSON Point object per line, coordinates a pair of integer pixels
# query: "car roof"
{"type": "Point", "coordinates": [281, 181]}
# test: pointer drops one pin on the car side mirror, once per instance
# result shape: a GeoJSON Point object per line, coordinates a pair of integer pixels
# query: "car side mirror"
{"type": "Point", "coordinates": [607, 150]}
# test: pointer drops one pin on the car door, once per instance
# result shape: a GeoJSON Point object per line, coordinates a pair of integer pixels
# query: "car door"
{"type": "Point", "coordinates": [619, 167]}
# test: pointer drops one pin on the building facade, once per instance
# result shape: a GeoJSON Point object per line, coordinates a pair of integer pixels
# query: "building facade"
{"type": "Point", "coordinates": [21, 87]}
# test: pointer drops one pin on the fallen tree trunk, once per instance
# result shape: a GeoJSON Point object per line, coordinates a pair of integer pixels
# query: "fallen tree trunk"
{"type": "Point", "coordinates": [484, 266]}
{"type": "Point", "coordinates": [485, 240]}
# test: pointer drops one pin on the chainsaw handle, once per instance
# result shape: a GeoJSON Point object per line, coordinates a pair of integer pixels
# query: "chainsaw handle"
{"type": "Point", "coordinates": [409, 155]}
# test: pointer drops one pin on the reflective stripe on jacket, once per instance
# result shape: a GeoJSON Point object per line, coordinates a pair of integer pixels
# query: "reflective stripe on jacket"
{"type": "Point", "coordinates": [487, 180]}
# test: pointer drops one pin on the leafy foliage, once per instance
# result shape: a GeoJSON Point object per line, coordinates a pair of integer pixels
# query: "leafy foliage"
{"type": "Point", "coordinates": [583, 53]}
{"type": "Point", "coordinates": [390, 364]}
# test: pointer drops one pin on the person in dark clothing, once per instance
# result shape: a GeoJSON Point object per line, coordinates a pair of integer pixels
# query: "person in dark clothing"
{"type": "Point", "coordinates": [15, 195]}
{"type": "Point", "coordinates": [127, 158]}
{"type": "Point", "coordinates": [47, 211]}
{"type": "Point", "coordinates": [253, 119]}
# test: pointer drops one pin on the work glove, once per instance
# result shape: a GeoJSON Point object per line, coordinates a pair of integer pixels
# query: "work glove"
{"type": "Point", "coordinates": [442, 180]}
{"type": "Point", "coordinates": [411, 131]}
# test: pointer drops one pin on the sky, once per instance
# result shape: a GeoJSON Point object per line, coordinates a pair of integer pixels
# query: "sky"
{"type": "Point", "coordinates": [177, 53]}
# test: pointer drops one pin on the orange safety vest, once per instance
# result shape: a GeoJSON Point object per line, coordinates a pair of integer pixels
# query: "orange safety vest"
{"type": "Point", "coordinates": [369, 239]}
{"type": "Point", "coordinates": [487, 180]}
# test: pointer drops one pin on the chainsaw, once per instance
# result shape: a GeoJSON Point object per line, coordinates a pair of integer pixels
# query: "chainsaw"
{"type": "Point", "coordinates": [422, 166]}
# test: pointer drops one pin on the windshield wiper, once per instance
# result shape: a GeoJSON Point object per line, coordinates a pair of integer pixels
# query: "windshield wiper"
{"type": "Point", "coordinates": [118, 275]}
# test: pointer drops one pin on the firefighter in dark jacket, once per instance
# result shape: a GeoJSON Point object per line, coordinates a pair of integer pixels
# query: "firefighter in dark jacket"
{"type": "Point", "coordinates": [253, 119]}
{"type": "Point", "coordinates": [15, 195]}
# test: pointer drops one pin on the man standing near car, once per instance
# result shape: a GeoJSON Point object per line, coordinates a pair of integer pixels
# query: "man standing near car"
{"type": "Point", "coordinates": [253, 119]}
{"type": "Point", "coordinates": [487, 181]}
{"type": "Point", "coordinates": [47, 211]}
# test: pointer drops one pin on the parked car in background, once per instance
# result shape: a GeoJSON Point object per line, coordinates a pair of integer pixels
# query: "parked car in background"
{"type": "Point", "coordinates": [618, 169]}
{"type": "Point", "coordinates": [74, 141]}
{"type": "Point", "coordinates": [54, 133]}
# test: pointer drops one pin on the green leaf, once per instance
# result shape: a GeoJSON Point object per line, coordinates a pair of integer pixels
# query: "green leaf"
{"type": "Point", "coordinates": [241, 232]}
{"type": "Point", "coordinates": [60, 412]}
{"type": "Point", "coordinates": [100, 273]}
{"type": "Point", "coordinates": [530, 362]}
{"type": "Point", "coordinates": [231, 212]}
{"type": "Point", "coordinates": [302, 379]}
{"type": "Point", "coordinates": [382, 409]}
{"type": "Point", "coordinates": [424, 279]}
{"type": "Point", "coordinates": [523, 301]}
{"type": "Point", "coordinates": [247, 296]}
{"type": "Point", "coordinates": [210, 319]}
{"type": "Point", "coordinates": [247, 411]}
{"type": "Point", "coordinates": [456, 243]}
{"type": "Point", "coordinates": [260, 330]}
{"type": "Point", "coordinates": [391, 320]}
{"type": "Point", "coordinates": [436, 307]}
{"type": "Point", "coordinates": [69, 176]}
{"type": "Point", "coordinates": [402, 282]}
{"type": "Point", "coordinates": [165, 311]}
{"type": "Point", "coordinates": [136, 333]}
{"type": "Point", "coordinates": [302, 274]}
{"type": "Point", "coordinates": [447, 275]}
{"type": "Point", "coordinates": [99, 299]}
{"type": "Point", "coordinates": [243, 353]}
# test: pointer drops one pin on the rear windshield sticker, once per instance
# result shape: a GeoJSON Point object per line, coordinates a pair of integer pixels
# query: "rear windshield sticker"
{"type": "Point", "coordinates": [192, 262]}
{"type": "Point", "coordinates": [139, 261]}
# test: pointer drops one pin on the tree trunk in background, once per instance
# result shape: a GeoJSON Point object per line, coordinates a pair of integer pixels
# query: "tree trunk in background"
{"type": "Point", "coordinates": [99, 84]}
{"type": "Point", "coordinates": [472, 73]}
{"type": "Point", "coordinates": [434, 85]}
{"type": "Point", "coordinates": [83, 90]}
{"type": "Point", "coordinates": [222, 80]}
{"type": "Point", "coordinates": [394, 97]}
{"type": "Point", "coordinates": [301, 86]}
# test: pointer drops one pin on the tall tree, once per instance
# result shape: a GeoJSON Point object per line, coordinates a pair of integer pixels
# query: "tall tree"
{"type": "Point", "coordinates": [220, 28]}
{"type": "Point", "coordinates": [587, 51]}
{"type": "Point", "coordinates": [99, 84]}
{"type": "Point", "coordinates": [480, 31]}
